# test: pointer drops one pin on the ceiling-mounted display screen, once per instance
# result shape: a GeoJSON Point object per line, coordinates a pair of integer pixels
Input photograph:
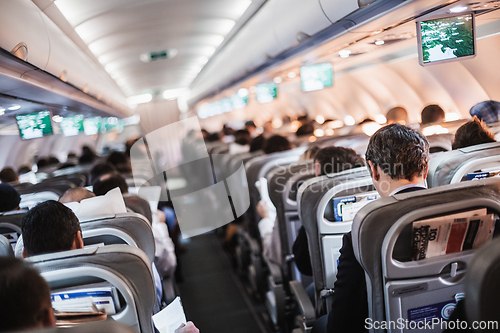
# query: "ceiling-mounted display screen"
{"type": "Point", "coordinates": [92, 125]}
{"type": "Point", "coordinates": [34, 125]}
{"type": "Point", "coordinates": [446, 38]}
{"type": "Point", "coordinates": [266, 92]}
{"type": "Point", "coordinates": [316, 77]}
{"type": "Point", "coordinates": [71, 126]}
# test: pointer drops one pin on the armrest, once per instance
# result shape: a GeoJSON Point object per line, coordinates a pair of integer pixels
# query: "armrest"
{"type": "Point", "coordinates": [305, 305]}
{"type": "Point", "coordinates": [275, 271]}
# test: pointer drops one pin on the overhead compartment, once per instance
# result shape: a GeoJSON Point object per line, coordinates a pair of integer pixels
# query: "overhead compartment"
{"type": "Point", "coordinates": [21, 22]}
{"type": "Point", "coordinates": [297, 17]}
{"type": "Point", "coordinates": [335, 10]}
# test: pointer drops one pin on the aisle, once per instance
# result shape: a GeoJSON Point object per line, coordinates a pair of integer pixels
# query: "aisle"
{"type": "Point", "coordinates": [212, 296]}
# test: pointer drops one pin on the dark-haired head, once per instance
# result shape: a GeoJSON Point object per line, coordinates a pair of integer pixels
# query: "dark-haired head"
{"type": "Point", "coordinates": [8, 175]}
{"type": "Point", "coordinates": [276, 143]}
{"type": "Point", "coordinates": [108, 182]}
{"type": "Point", "coordinates": [399, 151]}
{"type": "Point", "coordinates": [25, 296]}
{"type": "Point", "coordinates": [336, 159]}
{"type": "Point", "coordinates": [100, 170]}
{"type": "Point", "coordinates": [432, 114]}
{"type": "Point", "coordinates": [50, 227]}
{"type": "Point", "coordinates": [473, 132]}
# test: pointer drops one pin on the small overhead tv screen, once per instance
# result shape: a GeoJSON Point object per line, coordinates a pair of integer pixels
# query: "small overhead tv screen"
{"type": "Point", "coordinates": [316, 77]}
{"type": "Point", "coordinates": [92, 125]}
{"type": "Point", "coordinates": [71, 126]}
{"type": "Point", "coordinates": [34, 125]}
{"type": "Point", "coordinates": [446, 38]}
{"type": "Point", "coordinates": [266, 92]}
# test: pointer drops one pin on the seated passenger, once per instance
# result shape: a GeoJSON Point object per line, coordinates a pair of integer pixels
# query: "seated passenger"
{"type": "Point", "coordinates": [76, 194]}
{"type": "Point", "coordinates": [241, 142]}
{"type": "Point", "coordinates": [397, 115]}
{"type": "Point", "coordinates": [9, 176]}
{"type": "Point", "coordinates": [121, 162]}
{"type": "Point", "coordinates": [432, 114]}
{"type": "Point", "coordinates": [309, 154]}
{"type": "Point", "coordinates": [275, 144]}
{"type": "Point", "coordinates": [257, 143]}
{"type": "Point", "coordinates": [473, 132]}
{"type": "Point", "coordinates": [25, 295]}
{"type": "Point", "coordinates": [328, 160]}
{"type": "Point", "coordinates": [397, 159]}
{"type": "Point", "coordinates": [486, 111]}
{"type": "Point", "coordinates": [100, 169]}
{"type": "Point", "coordinates": [9, 198]}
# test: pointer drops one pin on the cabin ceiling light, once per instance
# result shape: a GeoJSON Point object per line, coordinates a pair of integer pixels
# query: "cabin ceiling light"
{"type": "Point", "coordinates": [370, 128]}
{"type": "Point", "coordinates": [336, 124]}
{"type": "Point", "coordinates": [458, 9]}
{"type": "Point", "coordinates": [277, 80]}
{"type": "Point", "coordinates": [319, 132]}
{"type": "Point", "coordinates": [174, 93]}
{"type": "Point", "coordinates": [451, 116]}
{"type": "Point", "coordinates": [14, 107]}
{"type": "Point", "coordinates": [277, 123]}
{"type": "Point", "coordinates": [320, 119]}
{"type": "Point", "coordinates": [291, 75]}
{"type": "Point", "coordinates": [349, 120]}
{"type": "Point", "coordinates": [381, 119]}
{"type": "Point", "coordinates": [379, 42]}
{"type": "Point", "coordinates": [139, 99]}
{"type": "Point", "coordinates": [243, 92]}
{"type": "Point", "coordinates": [344, 53]}
{"type": "Point", "coordinates": [329, 132]}
{"type": "Point", "coordinates": [434, 129]}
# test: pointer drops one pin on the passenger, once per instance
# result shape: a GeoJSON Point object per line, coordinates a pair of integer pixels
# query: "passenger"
{"type": "Point", "coordinates": [42, 163]}
{"type": "Point", "coordinates": [486, 111]}
{"type": "Point", "coordinates": [241, 142]}
{"type": "Point", "coordinates": [432, 114]}
{"type": "Point", "coordinates": [397, 159]}
{"type": "Point", "coordinates": [76, 194]}
{"type": "Point", "coordinates": [100, 170]}
{"type": "Point", "coordinates": [66, 165]}
{"type": "Point", "coordinates": [26, 303]}
{"type": "Point", "coordinates": [9, 198]}
{"type": "Point", "coordinates": [23, 169]}
{"type": "Point", "coordinates": [9, 176]}
{"type": "Point", "coordinates": [309, 154]}
{"type": "Point", "coordinates": [121, 162]}
{"type": "Point", "coordinates": [328, 160]}
{"type": "Point", "coordinates": [397, 115]}
{"type": "Point", "coordinates": [53, 161]}
{"type": "Point", "coordinates": [251, 128]}
{"type": "Point", "coordinates": [306, 129]}
{"type": "Point", "coordinates": [276, 143]}
{"type": "Point", "coordinates": [257, 143]}
{"type": "Point", "coordinates": [110, 181]}
{"type": "Point", "coordinates": [473, 132]}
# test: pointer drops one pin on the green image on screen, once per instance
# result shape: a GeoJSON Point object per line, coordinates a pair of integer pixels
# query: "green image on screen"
{"type": "Point", "coordinates": [316, 77]}
{"type": "Point", "coordinates": [92, 125]}
{"type": "Point", "coordinates": [447, 38]}
{"type": "Point", "coordinates": [71, 126]}
{"type": "Point", "coordinates": [266, 92]}
{"type": "Point", "coordinates": [34, 125]}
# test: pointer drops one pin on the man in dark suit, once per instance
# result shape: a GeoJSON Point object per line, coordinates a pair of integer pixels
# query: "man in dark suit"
{"type": "Point", "coordinates": [397, 158]}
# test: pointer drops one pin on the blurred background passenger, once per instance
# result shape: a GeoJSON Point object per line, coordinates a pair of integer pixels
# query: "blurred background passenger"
{"type": "Point", "coordinates": [251, 128]}
{"type": "Point", "coordinates": [257, 143]}
{"type": "Point", "coordinates": [276, 143]}
{"type": "Point", "coordinates": [486, 111]}
{"type": "Point", "coordinates": [26, 303]}
{"type": "Point", "coordinates": [397, 115]}
{"type": "Point", "coordinates": [473, 132]}
{"type": "Point", "coordinates": [9, 176]}
{"type": "Point", "coordinates": [241, 142]}
{"type": "Point", "coordinates": [9, 198]}
{"type": "Point", "coordinates": [99, 170]}
{"type": "Point", "coordinates": [121, 162]}
{"type": "Point", "coordinates": [76, 194]}
{"type": "Point", "coordinates": [432, 113]}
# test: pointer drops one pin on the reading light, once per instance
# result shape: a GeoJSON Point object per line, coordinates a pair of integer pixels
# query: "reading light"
{"type": "Point", "coordinates": [139, 99]}
{"type": "Point", "coordinates": [312, 139]}
{"type": "Point", "coordinates": [291, 75]}
{"type": "Point", "coordinates": [379, 42]}
{"type": "Point", "coordinates": [349, 121]}
{"type": "Point", "coordinates": [458, 9]}
{"type": "Point", "coordinates": [320, 119]}
{"type": "Point", "coordinates": [329, 132]}
{"type": "Point", "coordinates": [370, 128]}
{"type": "Point", "coordinates": [336, 124]}
{"type": "Point", "coordinates": [14, 107]}
{"type": "Point", "coordinates": [277, 123]}
{"type": "Point", "coordinates": [381, 119]}
{"type": "Point", "coordinates": [294, 126]}
{"type": "Point", "coordinates": [451, 116]}
{"type": "Point", "coordinates": [319, 132]}
{"type": "Point", "coordinates": [434, 129]}
{"type": "Point", "coordinates": [278, 80]}
{"type": "Point", "coordinates": [344, 53]}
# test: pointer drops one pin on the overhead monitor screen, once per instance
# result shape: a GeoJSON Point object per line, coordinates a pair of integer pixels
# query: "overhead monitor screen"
{"type": "Point", "coordinates": [71, 126]}
{"type": "Point", "coordinates": [266, 92]}
{"type": "Point", "coordinates": [34, 125]}
{"type": "Point", "coordinates": [316, 77]}
{"type": "Point", "coordinates": [92, 125]}
{"type": "Point", "coordinates": [111, 123]}
{"type": "Point", "coordinates": [446, 39]}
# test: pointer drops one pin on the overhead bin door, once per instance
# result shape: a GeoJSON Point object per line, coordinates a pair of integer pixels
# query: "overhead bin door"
{"type": "Point", "coordinates": [21, 21]}
{"type": "Point", "coordinates": [335, 10]}
{"type": "Point", "coordinates": [295, 16]}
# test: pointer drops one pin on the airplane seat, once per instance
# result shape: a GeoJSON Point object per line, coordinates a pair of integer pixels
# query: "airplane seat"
{"type": "Point", "coordinates": [107, 326]}
{"type": "Point", "coordinates": [30, 200]}
{"type": "Point", "coordinates": [440, 142]}
{"type": "Point", "coordinates": [315, 197]}
{"type": "Point", "coordinates": [481, 286]}
{"type": "Point", "coordinates": [36, 193]}
{"type": "Point", "coordinates": [11, 221]}
{"type": "Point", "coordinates": [125, 228]}
{"type": "Point", "coordinates": [5, 247]}
{"type": "Point", "coordinates": [124, 267]}
{"type": "Point", "coordinates": [461, 164]}
{"type": "Point", "coordinates": [382, 235]}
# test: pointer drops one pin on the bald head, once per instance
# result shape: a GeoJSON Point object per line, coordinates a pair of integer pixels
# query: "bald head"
{"type": "Point", "coordinates": [76, 194]}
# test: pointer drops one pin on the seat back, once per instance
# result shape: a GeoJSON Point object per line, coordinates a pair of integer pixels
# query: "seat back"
{"type": "Point", "coordinates": [30, 200]}
{"type": "Point", "coordinates": [5, 247]}
{"type": "Point", "coordinates": [125, 267]}
{"type": "Point", "coordinates": [107, 326]}
{"type": "Point", "coordinates": [440, 142]}
{"type": "Point", "coordinates": [382, 235]}
{"type": "Point", "coordinates": [454, 166]}
{"type": "Point", "coordinates": [316, 212]}
{"type": "Point", "coordinates": [481, 286]}
{"type": "Point", "coordinates": [10, 225]}
{"type": "Point", "coordinates": [125, 228]}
